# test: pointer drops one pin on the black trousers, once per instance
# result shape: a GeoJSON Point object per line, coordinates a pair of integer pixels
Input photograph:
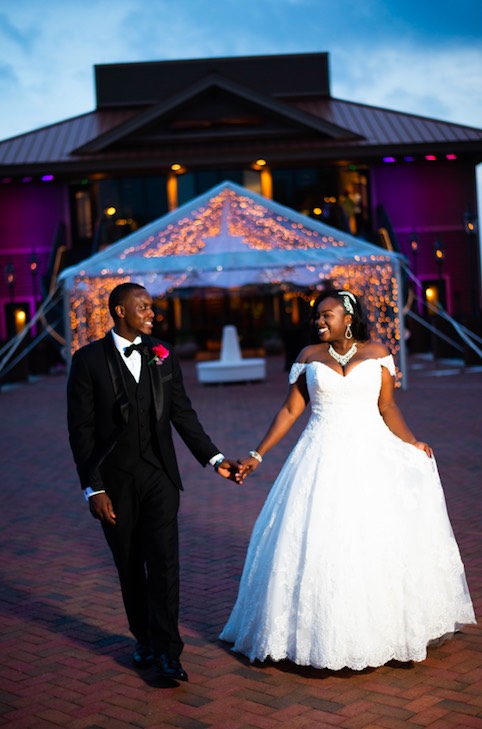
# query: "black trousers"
{"type": "Point", "coordinates": [145, 546]}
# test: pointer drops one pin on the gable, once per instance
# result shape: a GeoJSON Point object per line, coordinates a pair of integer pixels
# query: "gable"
{"type": "Point", "coordinates": [211, 109]}
{"type": "Point", "coordinates": [212, 114]}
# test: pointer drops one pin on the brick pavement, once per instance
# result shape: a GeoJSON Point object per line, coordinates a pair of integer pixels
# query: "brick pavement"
{"type": "Point", "coordinates": [65, 649]}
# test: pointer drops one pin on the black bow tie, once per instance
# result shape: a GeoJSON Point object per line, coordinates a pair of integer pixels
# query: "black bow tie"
{"type": "Point", "coordinates": [141, 347]}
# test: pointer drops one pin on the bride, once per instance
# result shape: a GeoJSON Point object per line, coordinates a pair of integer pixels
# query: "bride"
{"type": "Point", "coordinates": [352, 560]}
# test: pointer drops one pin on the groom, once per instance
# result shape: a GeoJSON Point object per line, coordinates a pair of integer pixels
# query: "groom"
{"type": "Point", "coordinates": [124, 392]}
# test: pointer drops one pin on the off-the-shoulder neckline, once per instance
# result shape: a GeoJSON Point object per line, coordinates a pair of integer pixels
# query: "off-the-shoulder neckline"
{"type": "Point", "coordinates": [369, 359]}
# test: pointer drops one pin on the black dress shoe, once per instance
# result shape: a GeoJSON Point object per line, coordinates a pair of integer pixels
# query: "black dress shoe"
{"type": "Point", "coordinates": [167, 667]}
{"type": "Point", "coordinates": [142, 656]}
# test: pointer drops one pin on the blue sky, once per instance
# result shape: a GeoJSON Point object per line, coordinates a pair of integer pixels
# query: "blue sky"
{"type": "Point", "coordinates": [420, 56]}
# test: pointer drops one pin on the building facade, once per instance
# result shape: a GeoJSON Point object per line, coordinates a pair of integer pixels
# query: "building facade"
{"type": "Point", "coordinates": [165, 132]}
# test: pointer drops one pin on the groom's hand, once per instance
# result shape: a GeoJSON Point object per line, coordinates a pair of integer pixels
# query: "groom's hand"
{"type": "Point", "coordinates": [230, 469]}
{"type": "Point", "coordinates": [101, 508]}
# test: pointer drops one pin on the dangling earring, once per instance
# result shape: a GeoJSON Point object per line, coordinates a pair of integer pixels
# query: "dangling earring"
{"type": "Point", "coordinates": [348, 332]}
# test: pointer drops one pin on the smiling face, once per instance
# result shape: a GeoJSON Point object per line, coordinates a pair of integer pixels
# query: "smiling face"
{"type": "Point", "coordinates": [331, 320]}
{"type": "Point", "coordinates": [134, 316]}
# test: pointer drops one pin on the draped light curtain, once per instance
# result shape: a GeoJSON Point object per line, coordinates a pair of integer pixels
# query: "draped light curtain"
{"type": "Point", "coordinates": [228, 238]}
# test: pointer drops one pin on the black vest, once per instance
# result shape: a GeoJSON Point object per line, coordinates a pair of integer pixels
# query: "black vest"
{"type": "Point", "coordinates": [137, 440]}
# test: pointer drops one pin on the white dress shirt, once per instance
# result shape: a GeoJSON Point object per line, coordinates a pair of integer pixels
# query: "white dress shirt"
{"type": "Point", "coordinates": [134, 362]}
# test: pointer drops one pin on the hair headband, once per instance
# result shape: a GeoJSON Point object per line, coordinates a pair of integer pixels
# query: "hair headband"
{"type": "Point", "coordinates": [347, 295]}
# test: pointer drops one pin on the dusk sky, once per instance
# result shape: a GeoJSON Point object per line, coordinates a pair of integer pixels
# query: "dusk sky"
{"type": "Point", "coordinates": [418, 56]}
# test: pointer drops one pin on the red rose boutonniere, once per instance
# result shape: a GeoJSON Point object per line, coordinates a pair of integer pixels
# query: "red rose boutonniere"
{"type": "Point", "coordinates": [160, 354]}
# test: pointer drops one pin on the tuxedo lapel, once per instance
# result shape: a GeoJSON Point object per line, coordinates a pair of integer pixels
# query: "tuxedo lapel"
{"type": "Point", "coordinates": [117, 377]}
{"type": "Point", "coordinates": [119, 384]}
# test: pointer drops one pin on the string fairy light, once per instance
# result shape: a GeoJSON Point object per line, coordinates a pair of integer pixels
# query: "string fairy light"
{"type": "Point", "coordinates": [370, 276]}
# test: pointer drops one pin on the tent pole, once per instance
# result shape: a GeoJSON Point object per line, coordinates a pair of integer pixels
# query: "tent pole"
{"type": "Point", "coordinates": [67, 329]}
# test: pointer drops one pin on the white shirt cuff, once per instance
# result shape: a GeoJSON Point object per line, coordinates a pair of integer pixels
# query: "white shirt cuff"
{"type": "Point", "coordinates": [216, 459]}
{"type": "Point", "coordinates": [88, 492]}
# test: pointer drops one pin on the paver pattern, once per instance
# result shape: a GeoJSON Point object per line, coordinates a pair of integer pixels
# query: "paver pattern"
{"type": "Point", "coordinates": [65, 648]}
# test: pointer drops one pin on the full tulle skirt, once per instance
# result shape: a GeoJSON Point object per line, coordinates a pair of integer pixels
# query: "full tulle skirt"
{"type": "Point", "coordinates": [352, 561]}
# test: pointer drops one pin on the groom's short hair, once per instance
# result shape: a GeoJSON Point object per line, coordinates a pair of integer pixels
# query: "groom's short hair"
{"type": "Point", "coordinates": [119, 295]}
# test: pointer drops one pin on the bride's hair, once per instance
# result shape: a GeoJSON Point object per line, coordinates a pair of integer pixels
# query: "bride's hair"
{"type": "Point", "coordinates": [359, 323]}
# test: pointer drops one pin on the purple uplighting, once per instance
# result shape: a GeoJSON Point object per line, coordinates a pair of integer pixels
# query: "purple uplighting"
{"type": "Point", "coordinates": [389, 159]}
{"type": "Point", "coordinates": [47, 178]}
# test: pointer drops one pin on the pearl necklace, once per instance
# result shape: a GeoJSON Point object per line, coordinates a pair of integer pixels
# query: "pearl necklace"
{"type": "Point", "coordinates": [342, 359]}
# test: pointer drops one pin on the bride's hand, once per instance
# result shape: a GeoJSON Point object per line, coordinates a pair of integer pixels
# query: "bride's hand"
{"type": "Point", "coordinates": [424, 447]}
{"type": "Point", "coordinates": [247, 465]}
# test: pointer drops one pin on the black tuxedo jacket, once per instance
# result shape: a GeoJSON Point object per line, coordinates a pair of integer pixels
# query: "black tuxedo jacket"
{"type": "Point", "coordinates": [98, 411]}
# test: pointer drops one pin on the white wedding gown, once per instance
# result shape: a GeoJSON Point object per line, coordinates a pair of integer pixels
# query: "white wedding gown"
{"type": "Point", "coordinates": [352, 560]}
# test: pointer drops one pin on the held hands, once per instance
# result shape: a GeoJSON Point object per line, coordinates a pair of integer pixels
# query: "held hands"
{"type": "Point", "coordinates": [237, 470]}
{"type": "Point", "coordinates": [247, 466]}
{"type": "Point", "coordinates": [230, 469]}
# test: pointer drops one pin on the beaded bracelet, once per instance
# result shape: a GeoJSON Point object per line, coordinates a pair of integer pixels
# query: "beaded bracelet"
{"type": "Point", "coordinates": [255, 454]}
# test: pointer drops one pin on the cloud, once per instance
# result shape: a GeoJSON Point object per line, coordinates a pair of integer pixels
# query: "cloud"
{"type": "Point", "coordinates": [396, 54]}
{"type": "Point", "coordinates": [444, 83]}
{"type": "Point", "coordinates": [13, 35]}
{"type": "Point", "coordinates": [8, 77]}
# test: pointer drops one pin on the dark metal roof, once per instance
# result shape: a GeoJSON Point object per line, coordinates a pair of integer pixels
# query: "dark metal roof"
{"type": "Point", "coordinates": [385, 127]}
{"type": "Point", "coordinates": [367, 131]}
{"type": "Point", "coordinates": [54, 143]}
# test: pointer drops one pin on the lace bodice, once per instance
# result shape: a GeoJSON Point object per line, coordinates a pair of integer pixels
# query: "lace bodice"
{"type": "Point", "coordinates": [345, 401]}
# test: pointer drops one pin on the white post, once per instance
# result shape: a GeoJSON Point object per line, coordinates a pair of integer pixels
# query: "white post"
{"type": "Point", "coordinates": [67, 330]}
{"type": "Point", "coordinates": [401, 316]}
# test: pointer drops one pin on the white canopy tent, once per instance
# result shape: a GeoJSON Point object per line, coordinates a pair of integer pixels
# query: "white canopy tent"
{"type": "Point", "coordinates": [231, 237]}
